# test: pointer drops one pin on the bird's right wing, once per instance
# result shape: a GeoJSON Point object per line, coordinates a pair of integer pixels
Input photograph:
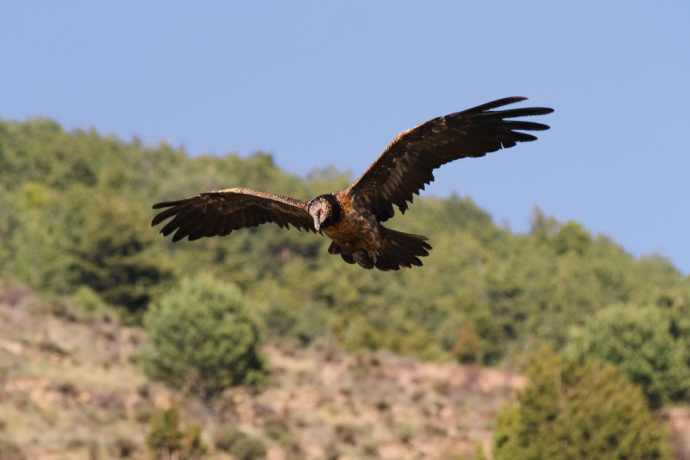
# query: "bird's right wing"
{"type": "Point", "coordinates": [222, 211]}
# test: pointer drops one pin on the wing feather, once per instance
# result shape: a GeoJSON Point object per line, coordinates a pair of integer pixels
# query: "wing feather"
{"type": "Point", "coordinates": [403, 169]}
{"type": "Point", "coordinates": [220, 212]}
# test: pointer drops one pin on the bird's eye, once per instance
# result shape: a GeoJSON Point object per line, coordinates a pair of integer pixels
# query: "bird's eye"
{"type": "Point", "coordinates": [320, 211]}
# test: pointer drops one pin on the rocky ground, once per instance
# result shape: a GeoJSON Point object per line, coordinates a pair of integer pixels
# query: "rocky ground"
{"type": "Point", "coordinates": [70, 388]}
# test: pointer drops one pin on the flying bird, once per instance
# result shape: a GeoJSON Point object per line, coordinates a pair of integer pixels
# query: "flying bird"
{"type": "Point", "coordinates": [352, 218]}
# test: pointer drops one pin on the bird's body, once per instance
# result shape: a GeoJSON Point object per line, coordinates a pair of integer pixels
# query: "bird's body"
{"type": "Point", "coordinates": [357, 227]}
{"type": "Point", "coordinates": [357, 230]}
{"type": "Point", "coordinates": [352, 218]}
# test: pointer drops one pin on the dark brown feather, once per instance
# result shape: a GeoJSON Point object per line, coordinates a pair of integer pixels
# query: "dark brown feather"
{"type": "Point", "coordinates": [348, 258]}
{"type": "Point", "coordinates": [403, 169]}
{"type": "Point", "coordinates": [222, 211]}
{"type": "Point", "coordinates": [399, 173]}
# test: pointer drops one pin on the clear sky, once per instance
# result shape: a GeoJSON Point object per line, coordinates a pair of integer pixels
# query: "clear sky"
{"type": "Point", "coordinates": [321, 83]}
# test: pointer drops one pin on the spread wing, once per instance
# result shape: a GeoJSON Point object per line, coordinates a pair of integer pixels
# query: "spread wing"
{"type": "Point", "coordinates": [407, 163]}
{"type": "Point", "coordinates": [220, 212]}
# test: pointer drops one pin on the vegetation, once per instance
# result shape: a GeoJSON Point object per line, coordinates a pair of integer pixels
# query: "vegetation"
{"type": "Point", "coordinates": [165, 437]}
{"type": "Point", "coordinates": [578, 410]}
{"type": "Point", "coordinates": [167, 441]}
{"type": "Point", "coordinates": [75, 211]}
{"type": "Point", "coordinates": [84, 397]}
{"type": "Point", "coordinates": [648, 344]}
{"type": "Point", "coordinates": [206, 339]}
{"type": "Point", "coordinates": [240, 445]}
{"type": "Point", "coordinates": [10, 451]}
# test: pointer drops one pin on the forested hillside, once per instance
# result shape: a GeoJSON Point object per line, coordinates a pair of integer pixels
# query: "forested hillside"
{"type": "Point", "coordinates": [113, 339]}
{"type": "Point", "coordinates": [75, 210]}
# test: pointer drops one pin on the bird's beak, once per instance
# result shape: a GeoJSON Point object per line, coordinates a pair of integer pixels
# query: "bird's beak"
{"type": "Point", "coordinates": [317, 225]}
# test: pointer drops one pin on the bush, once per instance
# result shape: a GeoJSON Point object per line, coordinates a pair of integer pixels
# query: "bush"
{"type": "Point", "coordinates": [225, 438]}
{"type": "Point", "coordinates": [239, 444]}
{"type": "Point", "coordinates": [167, 441]}
{"type": "Point", "coordinates": [639, 341]}
{"type": "Point", "coordinates": [192, 446]}
{"type": "Point", "coordinates": [277, 429]}
{"type": "Point", "coordinates": [357, 334]}
{"type": "Point", "coordinates": [347, 432]}
{"type": "Point", "coordinates": [249, 448]}
{"type": "Point", "coordinates": [205, 337]}
{"type": "Point", "coordinates": [578, 410]}
{"type": "Point", "coordinates": [165, 436]}
{"type": "Point", "coordinates": [467, 347]}
{"type": "Point", "coordinates": [10, 451]}
{"type": "Point", "coordinates": [331, 451]}
{"type": "Point", "coordinates": [122, 447]}
{"type": "Point", "coordinates": [87, 300]}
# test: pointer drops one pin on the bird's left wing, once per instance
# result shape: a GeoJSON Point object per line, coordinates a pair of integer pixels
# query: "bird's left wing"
{"type": "Point", "coordinates": [407, 163]}
{"type": "Point", "coordinates": [222, 211]}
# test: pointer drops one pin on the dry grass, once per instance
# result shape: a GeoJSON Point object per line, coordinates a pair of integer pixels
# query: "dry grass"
{"type": "Point", "coordinates": [69, 389]}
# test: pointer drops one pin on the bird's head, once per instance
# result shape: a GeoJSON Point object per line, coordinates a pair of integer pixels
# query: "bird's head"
{"type": "Point", "coordinates": [325, 210]}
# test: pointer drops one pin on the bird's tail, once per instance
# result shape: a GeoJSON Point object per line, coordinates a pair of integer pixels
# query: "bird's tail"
{"type": "Point", "coordinates": [397, 250]}
{"type": "Point", "coordinates": [400, 250]}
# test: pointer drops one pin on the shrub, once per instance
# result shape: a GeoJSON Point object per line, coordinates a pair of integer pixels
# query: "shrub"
{"type": "Point", "coordinates": [639, 341]}
{"type": "Point", "coordinates": [122, 446]}
{"type": "Point", "coordinates": [358, 334]}
{"type": "Point", "coordinates": [206, 339]}
{"type": "Point", "coordinates": [87, 300]}
{"type": "Point", "coordinates": [142, 416]}
{"type": "Point", "coordinates": [347, 432]}
{"type": "Point", "coordinates": [10, 451]}
{"type": "Point", "coordinates": [168, 442]}
{"type": "Point", "coordinates": [467, 347]}
{"type": "Point", "coordinates": [249, 448]}
{"type": "Point", "coordinates": [405, 433]}
{"type": "Point", "coordinates": [93, 450]}
{"type": "Point", "coordinates": [192, 446]}
{"type": "Point", "coordinates": [164, 436]}
{"type": "Point", "coordinates": [239, 444]}
{"type": "Point", "coordinates": [331, 451]}
{"type": "Point", "coordinates": [369, 450]}
{"type": "Point", "coordinates": [578, 410]}
{"type": "Point", "coordinates": [225, 438]}
{"type": "Point", "coordinates": [277, 429]}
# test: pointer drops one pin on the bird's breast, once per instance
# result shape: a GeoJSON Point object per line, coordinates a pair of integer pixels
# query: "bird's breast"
{"type": "Point", "coordinates": [356, 228]}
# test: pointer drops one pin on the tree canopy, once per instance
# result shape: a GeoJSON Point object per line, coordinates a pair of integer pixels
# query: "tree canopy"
{"type": "Point", "coordinates": [75, 209]}
{"type": "Point", "coordinates": [578, 410]}
{"type": "Point", "coordinates": [206, 339]}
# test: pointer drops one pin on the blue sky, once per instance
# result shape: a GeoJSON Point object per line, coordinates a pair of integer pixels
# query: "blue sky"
{"type": "Point", "coordinates": [321, 83]}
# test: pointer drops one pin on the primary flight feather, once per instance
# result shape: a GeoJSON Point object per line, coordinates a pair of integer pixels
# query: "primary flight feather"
{"type": "Point", "coordinates": [352, 218]}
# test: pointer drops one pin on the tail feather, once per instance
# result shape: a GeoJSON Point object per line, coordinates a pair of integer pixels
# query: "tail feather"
{"type": "Point", "coordinates": [337, 249]}
{"type": "Point", "coordinates": [400, 250]}
{"type": "Point", "coordinates": [344, 253]}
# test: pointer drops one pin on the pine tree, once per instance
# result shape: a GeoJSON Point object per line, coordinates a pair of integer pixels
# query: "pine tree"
{"type": "Point", "coordinates": [575, 410]}
{"type": "Point", "coordinates": [206, 339]}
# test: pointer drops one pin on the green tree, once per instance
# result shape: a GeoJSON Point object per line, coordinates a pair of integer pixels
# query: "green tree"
{"type": "Point", "coordinates": [110, 251]}
{"type": "Point", "coordinates": [640, 342]}
{"type": "Point", "coordinates": [75, 209]}
{"type": "Point", "coordinates": [206, 339]}
{"type": "Point", "coordinates": [578, 410]}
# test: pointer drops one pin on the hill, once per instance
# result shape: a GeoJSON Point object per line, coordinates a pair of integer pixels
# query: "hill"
{"type": "Point", "coordinates": [75, 213]}
{"type": "Point", "coordinates": [364, 363]}
{"type": "Point", "coordinates": [71, 390]}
